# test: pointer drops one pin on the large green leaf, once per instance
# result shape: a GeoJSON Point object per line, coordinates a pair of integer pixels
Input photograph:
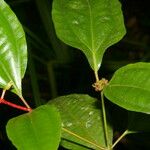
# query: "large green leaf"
{"type": "Point", "coordinates": [36, 130]}
{"type": "Point", "coordinates": [130, 87]}
{"type": "Point", "coordinates": [89, 25]}
{"type": "Point", "coordinates": [82, 122]}
{"type": "Point", "coordinates": [13, 51]}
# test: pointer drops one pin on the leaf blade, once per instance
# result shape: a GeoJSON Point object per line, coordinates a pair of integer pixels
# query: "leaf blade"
{"type": "Point", "coordinates": [129, 87]}
{"type": "Point", "coordinates": [81, 116]}
{"type": "Point", "coordinates": [37, 130]}
{"type": "Point", "coordinates": [91, 26]}
{"type": "Point", "coordinates": [13, 49]}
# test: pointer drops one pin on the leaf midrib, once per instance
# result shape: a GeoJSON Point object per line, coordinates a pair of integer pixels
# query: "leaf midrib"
{"type": "Point", "coordinates": [92, 37]}
{"type": "Point", "coordinates": [128, 86]}
{"type": "Point", "coordinates": [91, 25]}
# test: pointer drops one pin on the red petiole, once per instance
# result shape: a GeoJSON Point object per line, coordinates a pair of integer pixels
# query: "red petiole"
{"type": "Point", "coordinates": [3, 101]}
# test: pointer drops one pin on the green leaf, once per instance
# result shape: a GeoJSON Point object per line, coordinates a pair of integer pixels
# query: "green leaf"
{"type": "Point", "coordinates": [130, 87]}
{"type": "Point", "coordinates": [36, 130]}
{"type": "Point", "coordinates": [13, 50]}
{"type": "Point", "coordinates": [89, 25]}
{"type": "Point", "coordinates": [82, 122]}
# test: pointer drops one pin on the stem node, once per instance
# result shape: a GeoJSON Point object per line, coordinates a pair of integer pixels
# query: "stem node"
{"type": "Point", "coordinates": [100, 84]}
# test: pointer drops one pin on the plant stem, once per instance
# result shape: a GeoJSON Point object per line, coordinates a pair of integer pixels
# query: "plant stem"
{"type": "Point", "coordinates": [96, 76]}
{"type": "Point", "coordinates": [83, 139]}
{"type": "Point", "coordinates": [7, 87]}
{"type": "Point", "coordinates": [120, 138]}
{"type": "Point", "coordinates": [3, 94]}
{"type": "Point", "coordinates": [105, 120]}
{"type": "Point", "coordinates": [3, 101]}
{"type": "Point", "coordinates": [25, 103]}
{"type": "Point", "coordinates": [104, 114]}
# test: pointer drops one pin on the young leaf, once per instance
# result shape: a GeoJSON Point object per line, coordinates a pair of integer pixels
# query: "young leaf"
{"type": "Point", "coordinates": [82, 122]}
{"type": "Point", "coordinates": [36, 130]}
{"type": "Point", "coordinates": [89, 25]}
{"type": "Point", "coordinates": [130, 87]}
{"type": "Point", "coordinates": [13, 50]}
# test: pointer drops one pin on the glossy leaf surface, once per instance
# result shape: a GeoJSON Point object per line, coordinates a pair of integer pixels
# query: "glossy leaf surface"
{"type": "Point", "coordinates": [13, 50]}
{"type": "Point", "coordinates": [37, 130]}
{"type": "Point", "coordinates": [89, 25]}
{"type": "Point", "coordinates": [81, 115]}
{"type": "Point", "coordinates": [130, 87]}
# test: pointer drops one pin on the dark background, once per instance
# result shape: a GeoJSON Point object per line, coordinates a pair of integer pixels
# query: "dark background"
{"type": "Point", "coordinates": [56, 69]}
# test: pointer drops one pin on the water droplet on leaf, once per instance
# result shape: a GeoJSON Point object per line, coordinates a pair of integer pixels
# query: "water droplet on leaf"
{"type": "Point", "coordinates": [88, 124]}
{"type": "Point", "coordinates": [91, 113]}
{"type": "Point", "coordinates": [68, 124]}
{"type": "Point", "coordinates": [75, 22]}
